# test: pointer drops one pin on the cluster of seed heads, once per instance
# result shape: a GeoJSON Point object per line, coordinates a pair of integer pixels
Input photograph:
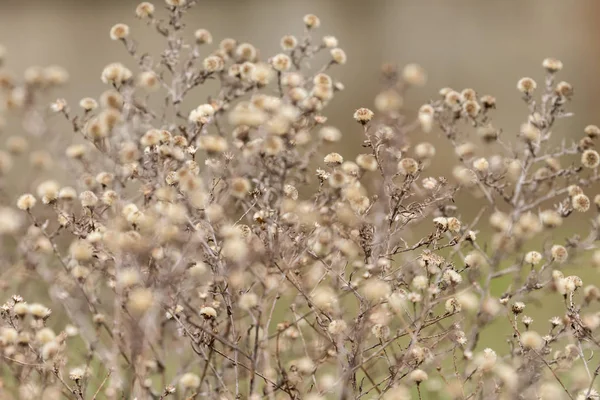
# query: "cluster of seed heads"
{"type": "Point", "coordinates": [230, 250]}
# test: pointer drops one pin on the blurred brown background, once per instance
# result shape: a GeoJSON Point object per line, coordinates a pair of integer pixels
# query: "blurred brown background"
{"type": "Point", "coordinates": [487, 45]}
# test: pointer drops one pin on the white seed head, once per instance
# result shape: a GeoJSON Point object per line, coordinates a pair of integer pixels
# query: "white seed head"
{"type": "Point", "coordinates": [414, 74]}
{"type": "Point", "coordinates": [363, 115]}
{"type": "Point", "coordinates": [26, 202]}
{"type": "Point", "coordinates": [526, 85]}
{"type": "Point", "coordinates": [144, 10]}
{"type": "Point", "coordinates": [119, 32]}
{"type": "Point", "coordinates": [590, 158]}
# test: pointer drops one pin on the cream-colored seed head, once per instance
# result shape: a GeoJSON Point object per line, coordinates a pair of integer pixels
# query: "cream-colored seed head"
{"type": "Point", "coordinates": [363, 115]}
{"type": "Point", "coordinates": [189, 381]}
{"type": "Point", "coordinates": [338, 56]}
{"type": "Point", "coordinates": [311, 21]}
{"type": "Point", "coordinates": [526, 85]}
{"type": "Point", "coordinates": [149, 81]}
{"type": "Point", "coordinates": [590, 158]}
{"type": "Point", "coordinates": [408, 166]}
{"type": "Point", "coordinates": [119, 32]}
{"type": "Point", "coordinates": [481, 164]}
{"type": "Point", "coordinates": [533, 257]}
{"type": "Point", "coordinates": [203, 36]}
{"type": "Point", "coordinates": [333, 159]}
{"type": "Point", "coordinates": [213, 64]}
{"type": "Point", "coordinates": [552, 65]}
{"type": "Point", "coordinates": [140, 300]}
{"type": "Point", "coordinates": [330, 134]}
{"type": "Point", "coordinates": [208, 312]}
{"type": "Point", "coordinates": [580, 202]}
{"type": "Point", "coordinates": [39, 311]}
{"type": "Point", "coordinates": [281, 62]}
{"type": "Point", "coordinates": [418, 375]}
{"type": "Point", "coordinates": [116, 73]}
{"type": "Point", "coordinates": [414, 74]}
{"type": "Point", "coordinates": [330, 41]}
{"type": "Point", "coordinates": [26, 202]}
{"type": "Point", "coordinates": [144, 10]}
{"type": "Point", "coordinates": [531, 340]}
{"type": "Point", "coordinates": [176, 3]}
{"type": "Point", "coordinates": [288, 42]}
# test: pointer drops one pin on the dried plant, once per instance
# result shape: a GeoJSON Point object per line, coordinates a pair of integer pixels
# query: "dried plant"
{"type": "Point", "coordinates": [224, 251]}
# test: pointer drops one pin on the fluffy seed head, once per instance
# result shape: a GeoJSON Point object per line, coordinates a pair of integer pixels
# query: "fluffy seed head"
{"type": "Point", "coordinates": [531, 340]}
{"type": "Point", "coordinates": [148, 80]}
{"type": "Point", "coordinates": [590, 159]}
{"type": "Point", "coordinates": [330, 41]}
{"type": "Point", "coordinates": [115, 73]}
{"type": "Point", "coordinates": [338, 55]}
{"type": "Point", "coordinates": [26, 202]}
{"type": "Point", "coordinates": [552, 65]}
{"type": "Point", "coordinates": [176, 3]}
{"type": "Point", "coordinates": [592, 131]}
{"type": "Point", "coordinates": [333, 159]}
{"type": "Point", "coordinates": [559, 253]}
{"type": "Point", "coordinates": [288, 42]}
{"type": "Point", "coordinates": [533, 257]}
{"type": "Point", "coordinates": [580, 202]}
{"type": "Point", "coordinates": [281, 62]}
{"type": "Point", "coordinates": [311, 21]}
{"type": "Point", "coordinates": [526, 85]}
{"type": "Point", "coordinates": [418, 375]}
{"type": "Point", "coordinates": [481, 164]}
{"type": "Point", "coordinates": [203, 36]}
{"type": "Point", "coordinates": [363, 115]}
{"type": "Point", "coordinates": [208, 312]}
{"type": "Point", "coordinates": [144, 10]}
{"type": "Point", "coordinates": [189, 381]}
{"type": "Point", "coordinates": [213, 64]}
{"type": "Point", "coordinates": [367, 162]}
{"type": "Point", "coordinates": [530, 132]}
{"type": "Point", "coordinates": [119, 32]}
{"type": "Point", "coordinates": [414, 74]}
